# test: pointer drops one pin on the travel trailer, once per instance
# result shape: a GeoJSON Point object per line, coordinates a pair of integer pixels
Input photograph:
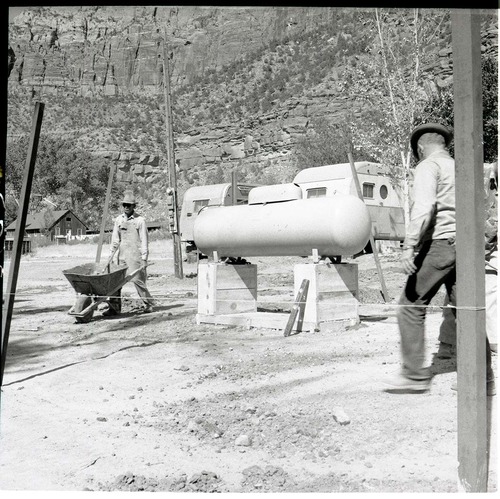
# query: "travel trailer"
{"type": "Point", "coordinates": [197, 197]}
{"type": "Point", "coordinates": [382, 199]}
{"type": "Point", "coordinates": [384, 202]}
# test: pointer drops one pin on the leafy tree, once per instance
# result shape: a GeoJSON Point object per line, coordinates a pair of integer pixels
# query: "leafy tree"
{"type": "Point", "coordinates": [325, 144]}
{"type": "Point", "coordinates": [267, 178]}
{"type": "Point", "coordinates": [440, 108]}
{"type": "Point", "coordinates": [490, 108]}
{"type": "Point", "coordinates": [67, 176]}
{"type": "Point", "coordinates": [216, 177]}
{"type": "Point", "coordinates": [387, 85]}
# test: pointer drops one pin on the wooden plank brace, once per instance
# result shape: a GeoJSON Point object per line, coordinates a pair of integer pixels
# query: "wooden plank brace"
{"type": "Point", "coordinates": [298, 309]}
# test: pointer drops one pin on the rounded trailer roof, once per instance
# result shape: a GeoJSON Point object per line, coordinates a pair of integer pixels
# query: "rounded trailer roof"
{"type": "Point", "coordinates": [339, 171]}
{"type": "Point", "coordinates": [205, 191]}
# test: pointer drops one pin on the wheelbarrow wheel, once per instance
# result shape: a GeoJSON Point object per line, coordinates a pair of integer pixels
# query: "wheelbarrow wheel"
{"type": "Point", "coordinates": [82, 302]}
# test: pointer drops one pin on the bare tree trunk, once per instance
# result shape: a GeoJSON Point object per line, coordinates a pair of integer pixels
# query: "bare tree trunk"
{"type": "Point", "coordinates": [403, 144]}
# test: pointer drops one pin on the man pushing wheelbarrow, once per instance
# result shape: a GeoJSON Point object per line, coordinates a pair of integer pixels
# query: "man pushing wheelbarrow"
{"type": "Point", "coordinates": [95, 286]}
{"type": "Point", "coordinates": [130, 238]}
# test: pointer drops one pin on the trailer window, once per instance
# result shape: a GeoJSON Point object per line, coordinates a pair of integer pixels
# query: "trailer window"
{"type": "Point", "coordinates": [383, 191]}
{"type": "Point", "coordinates": [368, 190]}
{"type": "Point", "coordinates": [317, 192]}
{"type": "Point", "coordinates": [199, 204]}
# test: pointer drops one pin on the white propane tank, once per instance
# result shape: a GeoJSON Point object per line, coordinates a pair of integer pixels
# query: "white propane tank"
{"type": "Point", "coordinates": [334, 226]}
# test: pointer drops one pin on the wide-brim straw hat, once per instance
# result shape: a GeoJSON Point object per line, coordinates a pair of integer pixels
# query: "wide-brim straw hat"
{"type": "Point", "coordinates": [128, 198]}
{"type": "Point", "coordinates": [429, 128]}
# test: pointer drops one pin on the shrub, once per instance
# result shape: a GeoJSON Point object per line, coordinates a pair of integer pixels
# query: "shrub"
{"type": "Point", "coordinates": [159, 234]}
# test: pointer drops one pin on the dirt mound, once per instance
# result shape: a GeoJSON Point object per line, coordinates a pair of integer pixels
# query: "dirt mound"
{"type": "Point", "coordinates": [206, 481]}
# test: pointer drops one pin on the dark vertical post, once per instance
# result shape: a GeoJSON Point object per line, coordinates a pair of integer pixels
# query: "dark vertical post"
{"type": "Point", "coordinates": [471, 333]}
{"type": "Point", "coordinates": [105, 213]}
{"type": "Point", "coordinates": [171, 161]}
{"type": "Point", "coordinates": [3, 149]}
{"type": "Point", "coordinates": [20, 228]}
{"type": "Point", "coordinates": [234, 187]}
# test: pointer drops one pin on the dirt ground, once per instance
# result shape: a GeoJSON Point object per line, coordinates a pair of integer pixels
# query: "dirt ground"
{"type": "Point", "coordinates": [155, 402]}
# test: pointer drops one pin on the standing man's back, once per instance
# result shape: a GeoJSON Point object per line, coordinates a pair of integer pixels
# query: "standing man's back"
{"type": "Point", "coordinates": [428, 253]}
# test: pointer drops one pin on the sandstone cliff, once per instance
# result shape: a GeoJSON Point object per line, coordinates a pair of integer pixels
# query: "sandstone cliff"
{"type": "Point", "coordinates": [100, 72]}
{"type": "Point", "coordinates": [110, 50]}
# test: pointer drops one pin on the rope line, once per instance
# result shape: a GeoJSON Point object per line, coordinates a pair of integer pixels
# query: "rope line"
{"type": "Point", "coordinates": [269, 300]}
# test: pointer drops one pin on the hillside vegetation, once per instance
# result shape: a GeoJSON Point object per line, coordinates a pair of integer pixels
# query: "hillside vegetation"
{"type": "Point", "coordinates": [253, 114]}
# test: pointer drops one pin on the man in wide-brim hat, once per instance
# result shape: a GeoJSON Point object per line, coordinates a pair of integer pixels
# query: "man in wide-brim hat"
{"type": "Point", "coordinates": [130, 237]}
{"type": "Point", "coordinates": [431, 231]}
{"type": "Point", "coordinates": [420, 130]}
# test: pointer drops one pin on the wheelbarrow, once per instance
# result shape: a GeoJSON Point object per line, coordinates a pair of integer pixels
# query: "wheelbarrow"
{"type": "Point", "coordinates": [94, 286]}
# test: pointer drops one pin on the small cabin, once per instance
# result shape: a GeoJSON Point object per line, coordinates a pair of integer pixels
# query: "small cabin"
{"type": "Point", "coordinates": [55, 223]}
{"type": "Point", "coordinates": [25, 246]}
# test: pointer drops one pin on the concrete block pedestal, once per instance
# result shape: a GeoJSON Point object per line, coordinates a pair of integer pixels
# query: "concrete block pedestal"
{"type": "Point", "coordinates": [332, 293]}
{"type": "Point", "coordinates": [226, 289]}
{"type": "Point", "coordinates": [227, 294]}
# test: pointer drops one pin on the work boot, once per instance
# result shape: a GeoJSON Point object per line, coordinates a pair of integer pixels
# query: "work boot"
{"type": "Point", "coordinates": [446, 351]}
{"type": "Point", "coordinates": [402, 384]}
{"type": "Point", "coordinates": [490, 383]}
{"type": "Point", "coordinates": [491, 389]}
{"type": "Point", "coordinates": [110, 312]}
{"type": "Point", "coordinates": [148, 309]}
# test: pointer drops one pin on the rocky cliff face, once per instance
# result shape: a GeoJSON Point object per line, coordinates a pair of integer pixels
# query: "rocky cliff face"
{"type": "Point", "coordinates": [117, 50]}
{"type": "Point", "coordinates": [97, 52]}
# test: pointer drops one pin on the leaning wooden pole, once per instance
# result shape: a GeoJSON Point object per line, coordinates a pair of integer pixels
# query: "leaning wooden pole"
{"type": "Point", "coordinates": [234, 187]}
{"type": "Point", "coordinates": [469, 189]}
{"type": "Point", "coordinates": [384, 292]}
{"type": "Point", "coordinates": [171, 162]}
{"type": "Point", "coordinates": [19, 233]}
{"type": "Point", "coordinates": [105, 213]}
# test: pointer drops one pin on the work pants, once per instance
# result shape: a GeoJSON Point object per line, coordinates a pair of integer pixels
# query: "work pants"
{"type": "Point", "coordinates": [140, 285]}
{"type": "Point", "coordinates": [448, 329]}
{"type": "Point", "coordinates": [435, 264]}
{"type": "Point", "coordinates": [491, 277]}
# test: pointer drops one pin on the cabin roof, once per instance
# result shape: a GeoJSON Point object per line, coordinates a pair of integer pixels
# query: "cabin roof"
{"type": "Point", "coordinates": [43, 220]}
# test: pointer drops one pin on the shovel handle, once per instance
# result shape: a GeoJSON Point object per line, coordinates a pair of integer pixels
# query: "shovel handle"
{"type": "Point", "coordinates": [110, 259]}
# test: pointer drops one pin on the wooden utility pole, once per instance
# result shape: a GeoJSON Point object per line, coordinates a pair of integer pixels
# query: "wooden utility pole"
{"type": "Point", "coordinates": [171, 161]}
{"type": "Point", "coordinates": [19, 234]}
{"type": "Point", "coordinates": [469, 189]}
{"type": "Point", "coordinates": [385, 294]}
{"type": "Point", "coordinates": [234, 187]}
{"type": "Point", "coordinates": [105, 213]}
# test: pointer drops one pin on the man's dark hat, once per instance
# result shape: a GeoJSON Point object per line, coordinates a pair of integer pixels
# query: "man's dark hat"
{"type": "Point", "coordinates": [429, 128]}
